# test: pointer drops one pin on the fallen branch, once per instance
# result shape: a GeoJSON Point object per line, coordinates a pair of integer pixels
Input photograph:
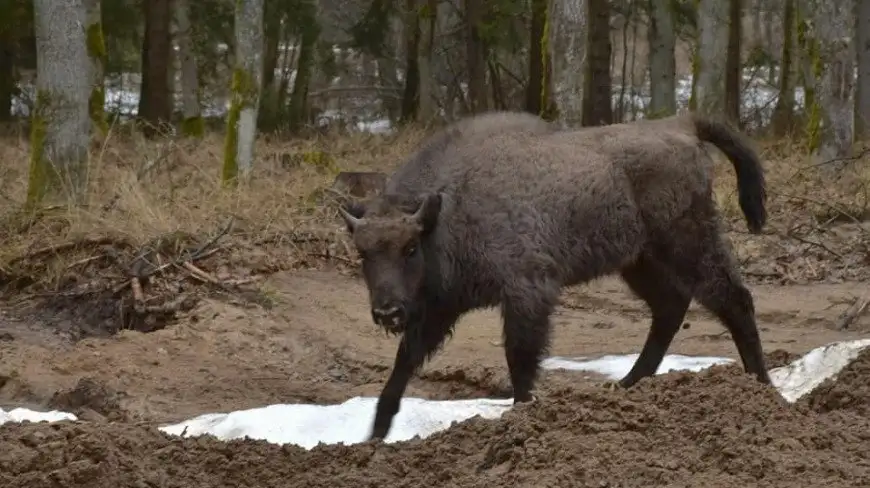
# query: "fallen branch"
{"type": "Point", "coordinates": [138, 295]}
{"type": "Point", "coordinates": [200, 274]}
{"type": "Point", "coordinates": [57, 248]}
{"type": "Point", "coordinates": [201, 252]}
{"type": "Point", "coordinates": [851, 314]}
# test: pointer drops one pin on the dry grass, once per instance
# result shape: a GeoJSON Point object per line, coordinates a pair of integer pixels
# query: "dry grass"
{"type": "Point", "coordinates": [153, 204]}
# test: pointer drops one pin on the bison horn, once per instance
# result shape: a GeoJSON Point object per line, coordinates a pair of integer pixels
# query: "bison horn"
{"type": "Point", "coordinates": [349, 219]}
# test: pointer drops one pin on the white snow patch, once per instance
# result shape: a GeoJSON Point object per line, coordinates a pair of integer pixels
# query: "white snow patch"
{"type": "Point", "coordinates": [805, 374]}
{"type": "Point", "coordinates": [27, 415]}
{"type": "Point", "coordinates": [308, 425]}
{"type": "Point", "coordinates": [345, 423]}
{"type": "Point", "coordinates": [617, 366]}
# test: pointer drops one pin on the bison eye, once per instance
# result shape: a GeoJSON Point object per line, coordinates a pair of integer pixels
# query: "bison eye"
{"type": "Point", "coordinates": [411, 250]}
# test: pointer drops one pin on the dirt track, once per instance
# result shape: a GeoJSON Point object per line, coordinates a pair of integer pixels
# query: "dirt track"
{"type": "Point", "coordinates": [318, 345]}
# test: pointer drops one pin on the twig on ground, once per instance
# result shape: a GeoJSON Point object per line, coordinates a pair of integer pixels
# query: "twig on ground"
{"type": "Point", "coordinates": [830, 206]}
{"type": "Point", "coordinates": [200, 274]}
{"type": "Point", "coordinates": [85, 241]}
{"type": "Point", "coordinates": [201, 252]}
{"type": "Point", "coordinates": [814, 244]}
{"type": "Point", "coordinates": [851, 314]}
{"type": "Point", "coordinates": [138, 295]}
{"type": "Point", "coordinates": [324, 255]}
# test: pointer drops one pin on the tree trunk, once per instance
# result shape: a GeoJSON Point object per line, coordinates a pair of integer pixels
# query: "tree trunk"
{"type": "Point", "coordinates": [245, 91]}
{"type": "Point", "coordinates": [783, 114]}
{"type": "Point", "coordinates": [7, 76]}
{"type": "Point", "coordinates": [662, 60]}
{"type": "Point", "coordinates": [597, 102]}
{"type": "Point", "coordinates": [155, 99]}
{"type": "Point", "coordinates": [536, 92]}
{"type": "Point", "coordinates": [568, 52]}
{"type": "Point", "coordinates": [97, 53]}
{"type": "Point", "coordinates": [834, 21]}
{"type": "Point", "coordinates": [387, 72]}
{"type": "Point", "coordinates": [305, 65]}
{"type": "Point", "coordinates": [862, 86]}
{"type": "Point", "coordinates": [475, 57]}
{"type": "Point", "coordinates": [733, 65]}
{"type": "Point", "coordinates": [713, 21]}
{"type": "Point", "coordinates": [428, 10]}
{"type": "Point", "coordinates": [270, 113]}
{"type": "Point", "coordinates": [192, 123]}
{"type": "Point", "coordinates": [61, 122]}
{"type": "Point", "coordinates": [411, 91]}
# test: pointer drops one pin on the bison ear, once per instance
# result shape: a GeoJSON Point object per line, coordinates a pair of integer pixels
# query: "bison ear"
{"type": "Point", "coordinates": [428, 211]}
{"type": "Point", "coordinates": [352, 213]}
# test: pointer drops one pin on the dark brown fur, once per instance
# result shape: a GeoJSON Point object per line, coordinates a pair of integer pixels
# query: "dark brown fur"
{"type": "Point", "coordinates": [511, 218]}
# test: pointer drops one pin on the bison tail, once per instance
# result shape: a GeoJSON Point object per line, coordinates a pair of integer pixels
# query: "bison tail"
{"type": "Point", "coordinates": [747, 164]}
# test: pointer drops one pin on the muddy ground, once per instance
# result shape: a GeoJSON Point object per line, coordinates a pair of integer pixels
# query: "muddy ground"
{"type": "Point", "coordinates": [317, 344]}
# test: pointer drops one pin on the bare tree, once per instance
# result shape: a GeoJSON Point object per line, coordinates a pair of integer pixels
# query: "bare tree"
{"type": "Point", "coordinates": [568, 54]}
{"type": "Point", "coordinates": [475, 56]}
{"type": "Point", "coordinates": [783, 113]}
{"type": "Point", "coordinates": [245, 90]}
{"type": "Point", "coordinates": [713, 20]}
{"type": "Point", "coordinates": [832, 25]}
{"type": "Point", "coordinates": [662, 60]}
{"type": "Point", "coordinates": [862, 86]}
{"type": "Point", "coordinates": [192, 124]}
{"type": "Point", "coordinates": [97, 53]}
{"type": "Point", "coordinates": [427, 11]}
{"type": "Point", "coordinates": [61, 122]}
{"type": "Point", "coordinates": [155, 99]}
{"type": "Point", "coordinates": [733, 64]}
{"type": "Point", "coordinates": [597, 100]}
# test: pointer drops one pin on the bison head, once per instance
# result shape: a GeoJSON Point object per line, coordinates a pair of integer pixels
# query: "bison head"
{"type": "Point", "coordinates": [389, 233]}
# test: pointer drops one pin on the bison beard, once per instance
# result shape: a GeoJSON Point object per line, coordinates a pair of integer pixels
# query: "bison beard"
{"type": "Point", "coordinates": [531, 210]}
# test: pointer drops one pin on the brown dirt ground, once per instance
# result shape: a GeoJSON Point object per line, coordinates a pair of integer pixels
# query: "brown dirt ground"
{"type": "Point", "coordinates": [317, 344]}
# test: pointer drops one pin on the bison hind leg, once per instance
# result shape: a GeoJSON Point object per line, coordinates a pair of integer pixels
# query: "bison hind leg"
{"type": "Point", "coordinates": [655, 283]}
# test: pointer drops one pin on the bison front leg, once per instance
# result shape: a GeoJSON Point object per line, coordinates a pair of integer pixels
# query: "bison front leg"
{"type": "Point", "coordinates": [391, 395]}
{"type": "Point", "coordinates": [526, 341]}
{"type": "Point", "coordinates": [414, 349]}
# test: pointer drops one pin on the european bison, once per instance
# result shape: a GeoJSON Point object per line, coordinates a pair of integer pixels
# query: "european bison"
{"type": "Point", "coordinates": [510, 218]}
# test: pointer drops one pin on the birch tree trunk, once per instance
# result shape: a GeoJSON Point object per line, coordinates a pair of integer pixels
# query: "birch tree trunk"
{"type": "Point", "coordinates": [662, 60]}
{"type": "Point", "coordinates": [862, 86]}
{"type": "Point", "coordinates": [713, 20]}
{"type": "Point", "coordinates": [833, 22]}
{"type": "Point", "coordinates": [192, 123]}
{"type": "Point", "coordinates": [567, 21]}
{"type": "Point", "coordinates": [245, 90]}
{"type": "Point", "coordinates": [61, 122]}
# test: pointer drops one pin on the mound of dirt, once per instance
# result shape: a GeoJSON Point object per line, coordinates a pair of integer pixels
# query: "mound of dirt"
{"type": "Point", "coordinates": [715, 429]}
{"type": "Point", "coordinates": [89, 400]}
{"type": "Point", "coordinates": [848, 392]}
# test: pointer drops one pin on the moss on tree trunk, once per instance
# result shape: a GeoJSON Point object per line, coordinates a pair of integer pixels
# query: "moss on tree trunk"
{"type": "Point", "coordinates": [97, 52]}
{"type": "Point", "coordinates": [240, 95]}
